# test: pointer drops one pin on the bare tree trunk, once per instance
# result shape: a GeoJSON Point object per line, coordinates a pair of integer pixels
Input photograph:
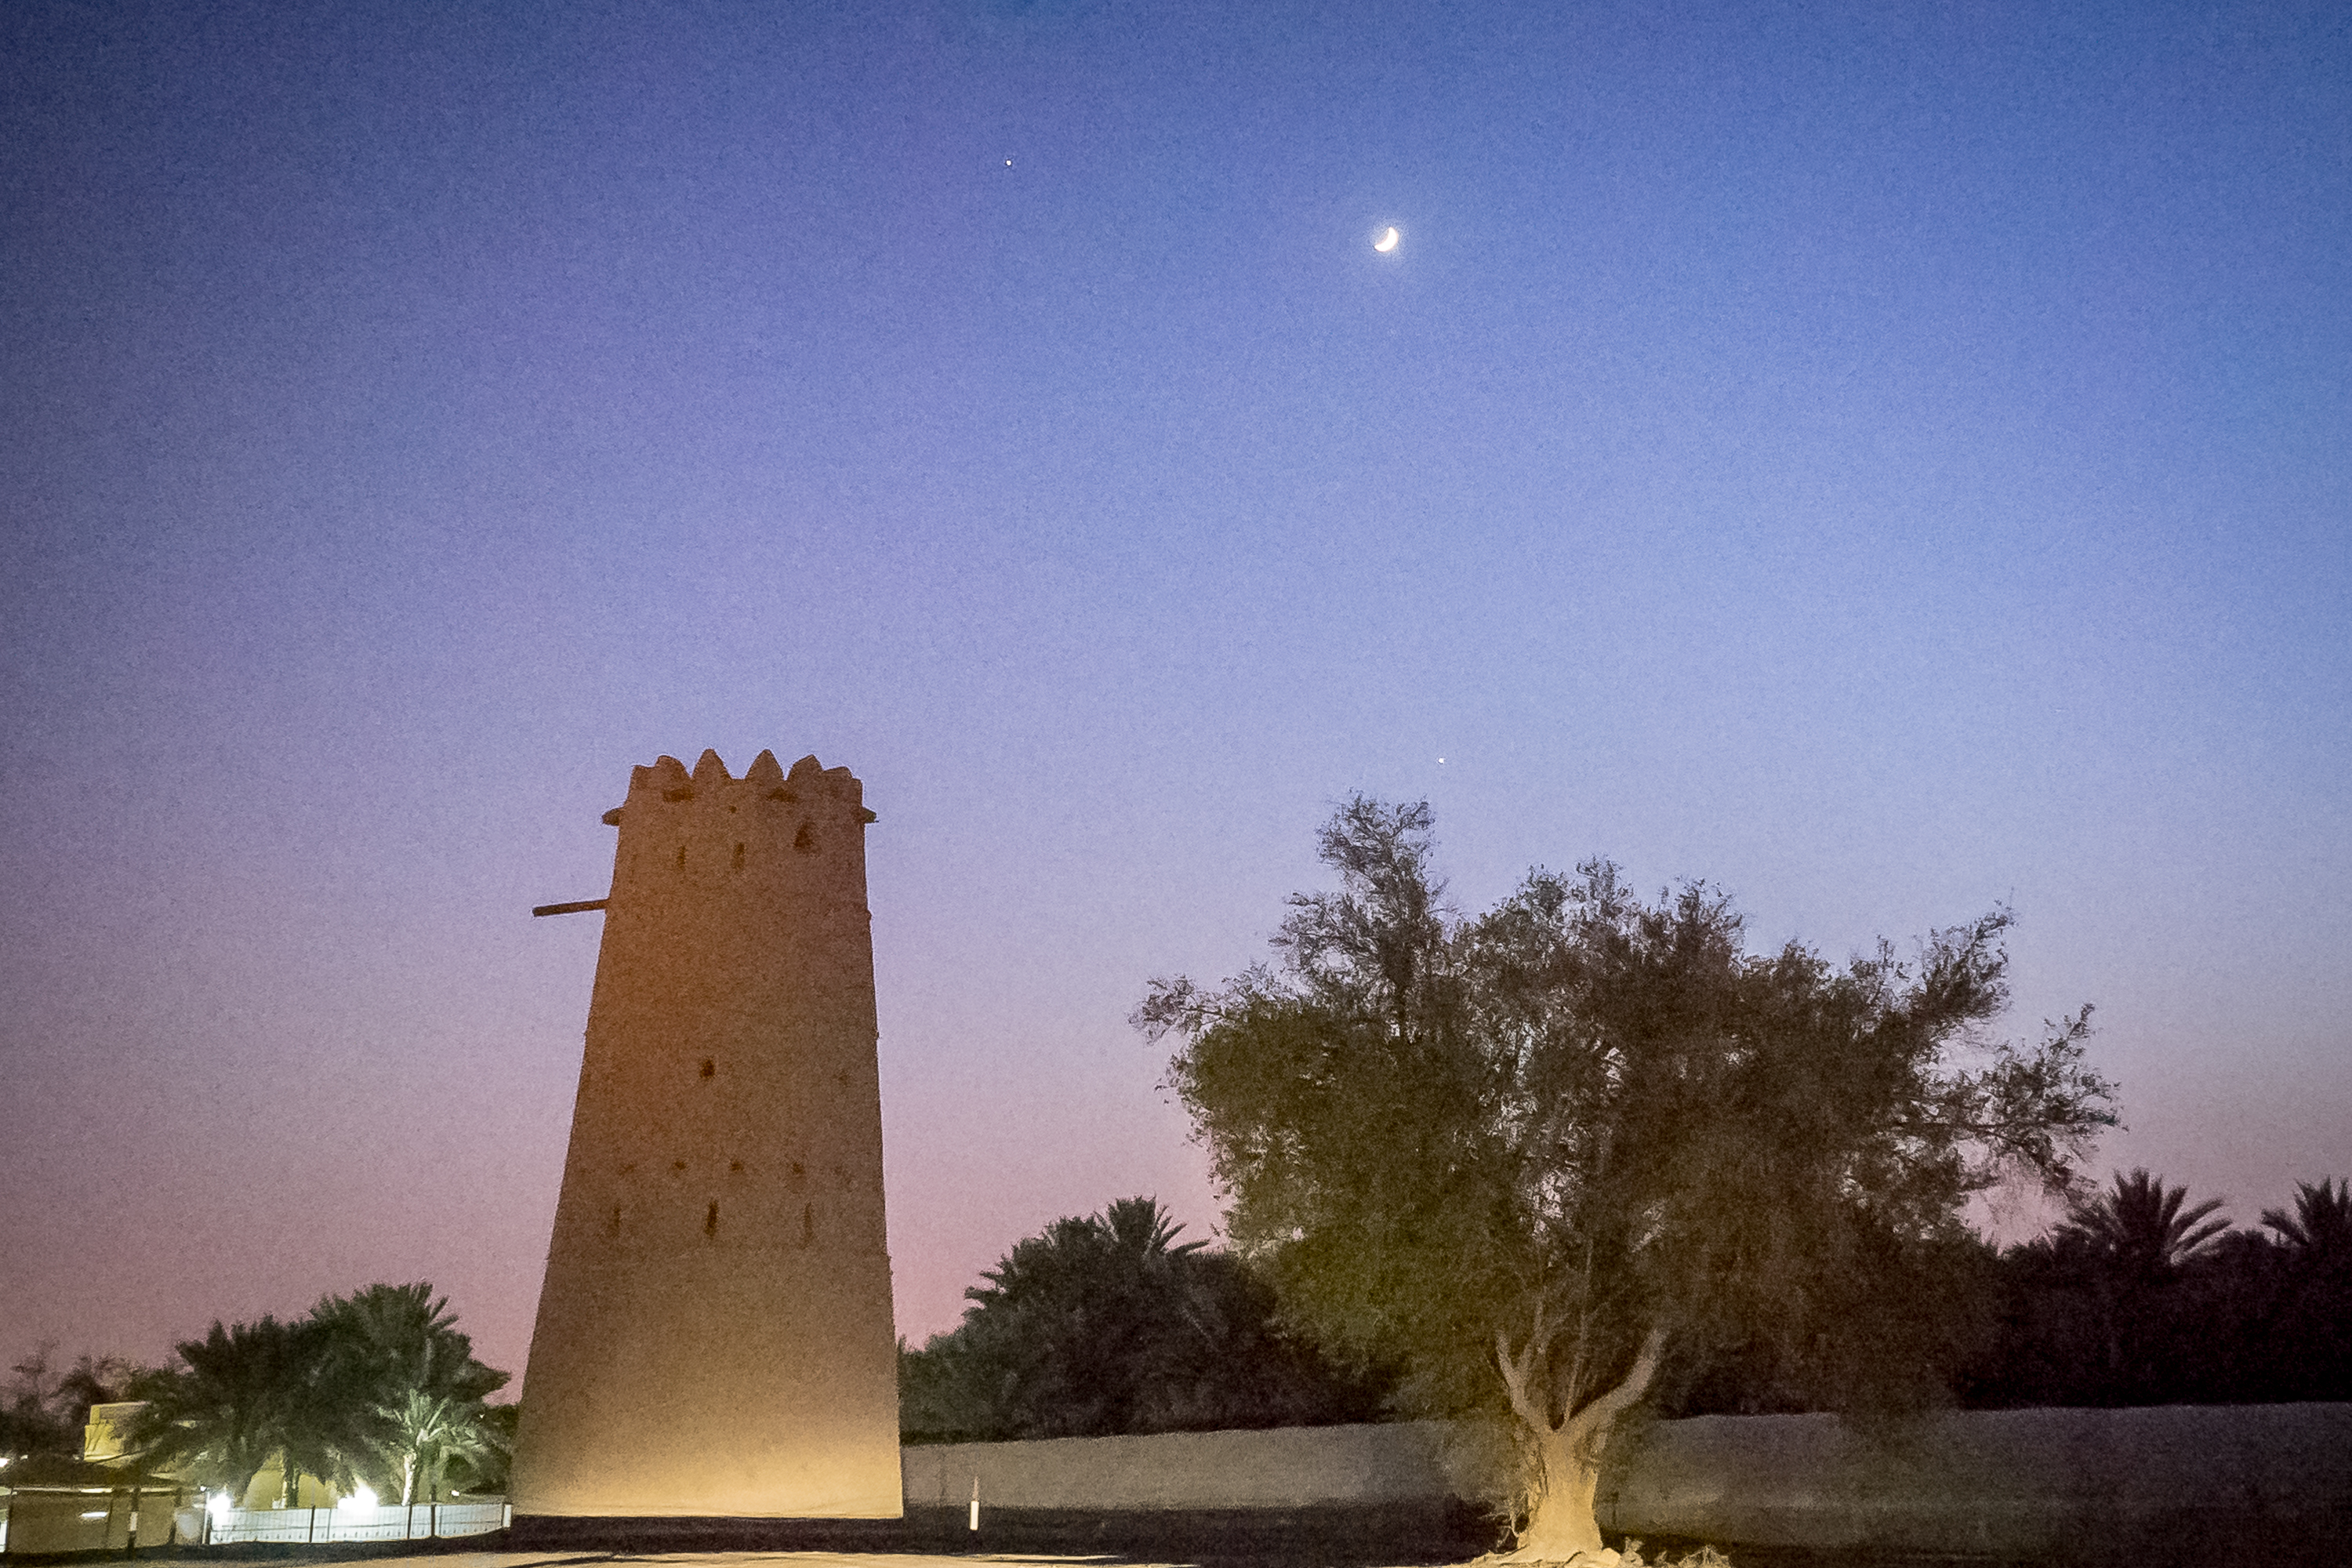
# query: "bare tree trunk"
{"type": "Point", "coordinates": [1560, 1521]}
{"type": "Point", "coordinates": [1566, 1476]}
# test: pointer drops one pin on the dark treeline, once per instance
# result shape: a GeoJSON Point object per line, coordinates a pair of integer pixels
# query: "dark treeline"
{"type": "Point", "coordinates": [2142, 1301]}
{"type": "Point", "coordinates": [1101, 1326]}
{"type": "Point", "coordinates": [2140, 1298]}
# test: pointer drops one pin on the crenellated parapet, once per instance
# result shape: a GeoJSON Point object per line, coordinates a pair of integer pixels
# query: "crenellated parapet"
{"type": "Point", "coordinates": [810, 782]}
{"type": "Point", "coordinates": [770, 831]}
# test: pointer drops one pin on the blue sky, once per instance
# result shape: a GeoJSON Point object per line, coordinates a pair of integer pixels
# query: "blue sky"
{"type": "Point", "coordinates": [1888, 460]}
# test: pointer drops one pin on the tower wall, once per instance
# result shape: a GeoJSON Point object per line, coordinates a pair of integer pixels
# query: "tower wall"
{"type": "Point", "coordinates": [714, 1336]}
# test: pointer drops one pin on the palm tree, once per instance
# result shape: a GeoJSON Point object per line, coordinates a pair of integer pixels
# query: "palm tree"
{"type": "Point", "coordinates": [2314, 1341]}
{"type": "Point", "coordinates": [2134, 1244]}
{"type": "Point", "coordinates": [1108, 1324]}
{"type": "Point", "coordinates": [423, 1387]}
{"type": "Point", "coordinates": [432, 1429]}
{"type": "Point", "coordinates": [1052, 1332]}
{"type": "Point", "coordinates": [2320, 1229]}
{"type": "Point", "coordinates": [1141, 1230]}
{"type": "Point", "coordinates": [2140, 1229]}
{"type": "Point", "coordinates": [249, 1393]}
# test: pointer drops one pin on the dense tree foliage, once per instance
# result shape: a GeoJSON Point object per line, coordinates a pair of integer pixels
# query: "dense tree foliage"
{"type": "Point", "coordinates": [426, 1391]}
{"type": "Point", "coordinates": [1536, 1154]}
{"type": "Point", "coordinates": [43, 1411]}
{"type": "Point", "coordinates": [484, 1473]}
{"type": "Point", "coordinates": [377, 1386]}
{"type": "Point", "coordinates": [1104, 1325]}
{"type": "Point", "coordinates": [2137, 1299]}
{"type": "Point", "coordinates": [1903, 1329]}
{"type": "Point", "coordinates": [247, 1394]}
{"type": "Point", "coordinates": [2314, 1311]}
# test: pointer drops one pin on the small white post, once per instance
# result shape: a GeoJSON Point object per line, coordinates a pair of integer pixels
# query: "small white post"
{"type": "Point", "coordinates": [975, 1501]}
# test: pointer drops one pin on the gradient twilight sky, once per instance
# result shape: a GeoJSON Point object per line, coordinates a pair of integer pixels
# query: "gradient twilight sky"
{"type": "Point", "coordinates": [1884, 459]}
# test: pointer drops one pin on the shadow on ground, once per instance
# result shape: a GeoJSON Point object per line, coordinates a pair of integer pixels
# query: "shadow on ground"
{"type": "Point", "coordinates": [1392, 1537]}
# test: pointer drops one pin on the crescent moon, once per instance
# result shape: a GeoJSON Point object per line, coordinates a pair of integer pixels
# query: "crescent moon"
{"type": "Point", "coordinates": [1387, 242]}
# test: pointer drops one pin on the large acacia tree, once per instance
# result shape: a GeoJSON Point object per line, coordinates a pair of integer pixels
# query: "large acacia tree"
{"type": "Point", "coordinates": [1529, 1155]}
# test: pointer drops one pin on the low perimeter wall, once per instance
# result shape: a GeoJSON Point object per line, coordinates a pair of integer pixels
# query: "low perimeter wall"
{"type": "Point", "coordinates": [2052, 1485]}
{"type": "Point", "coordinates": [1288, 1467]}
{"type": "Point", "coordinates": [2161, 1485]}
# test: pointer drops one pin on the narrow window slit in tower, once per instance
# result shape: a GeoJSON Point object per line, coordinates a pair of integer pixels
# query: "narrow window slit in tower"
{"type": "Point", "coordinates": [617, 1219]}
{"type": "Point", "coordinates": [711, 1221]}
{"type": "Point", "coordinates": [681, 856]}
{"type": "Point", "coordinates": [710, 1067]}
{"type": "Point", "coordinates": [808, 1223]}
{"type": "Point", "coordinates": [738, 857]}
{"type": "Point", "coordinates": [805, 839]}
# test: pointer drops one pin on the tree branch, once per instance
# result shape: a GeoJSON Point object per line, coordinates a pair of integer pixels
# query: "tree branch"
{"type": "Point", "coordinates": [1588, 1430]}
{"type": "Point", "coordinates": [1515, 1370]}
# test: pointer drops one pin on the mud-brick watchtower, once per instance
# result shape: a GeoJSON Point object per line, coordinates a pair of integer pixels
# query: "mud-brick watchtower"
{"type": "Point", "coordinates": [714, 1337]}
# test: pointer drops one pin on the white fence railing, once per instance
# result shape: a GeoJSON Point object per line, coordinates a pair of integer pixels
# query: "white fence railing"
{"type": "Point", "coordinates": [317, 1526]}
